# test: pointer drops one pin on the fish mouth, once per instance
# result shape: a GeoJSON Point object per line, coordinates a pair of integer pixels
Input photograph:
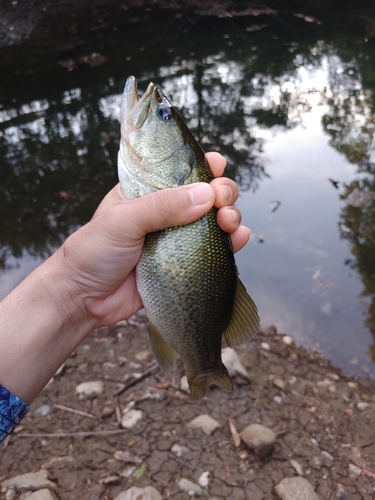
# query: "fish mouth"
{"type": "Point", "coordinates": [134, 108]}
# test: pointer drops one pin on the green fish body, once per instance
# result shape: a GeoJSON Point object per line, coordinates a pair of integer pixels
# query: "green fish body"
{"type": "Point", "coordinates": [186, 276]}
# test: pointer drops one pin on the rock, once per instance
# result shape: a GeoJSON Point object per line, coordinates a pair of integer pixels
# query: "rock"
{"type": "Point", "coordinates": [278, 400]}
{"type": "Point", "coordinates": [135, 493]}
{"type": "Point", "coordinates": [131, 418]}
{"type": "Point", "coordinates": [354, 471]}
{"type": "Point", "coordinates": [89, 389]}
{"type": "Point", "coordinates": [259, 438]}
{"type": "Point", "coordinates": [107, 411]}
{"type": "Point", "coordinates": [279, 383]}
{"type": "Point", "coordinates": [204, 479]}
{"type": "Point", "coordinates": [327, 458]}
{"type": "Point", "coordinates": [29, 481]}
{"type": "Point", "coordinates": [295, 488]}
{"type": "Point", "coordinates": [204, 422]}
{"type": "Point", "coordinates": [184, 385]}
{"type": "Point", "coordinates": [43, 494]}
{"type": "Point", "coordinates": [180, 451]}
{"type": "Point", "coordinates": [190, 487]}
{"type": "Point", "coordinates": [10, 495]}
{"type": "Point", "coordinates": [43, 410]}
{"type": "Point", "coordinates": [296, 466]}
{"type": "Point", "coordinates": [143, 355]}
{"type": "Point", "coordinates": [233, 364]}
{"type": "Point", "coordinates": [362, 406]}
{"type": "Point", "coordinates": [288, 340]}
{"type": "Point", "coordinates": [265, 346]}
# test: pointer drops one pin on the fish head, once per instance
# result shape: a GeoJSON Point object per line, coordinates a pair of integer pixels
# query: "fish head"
{"type": "Point", "coordinates": [155, 149]}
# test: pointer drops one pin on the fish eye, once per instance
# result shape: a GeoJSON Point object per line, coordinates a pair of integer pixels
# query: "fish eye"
{"type": "Point", "coordinates": [165, 113]}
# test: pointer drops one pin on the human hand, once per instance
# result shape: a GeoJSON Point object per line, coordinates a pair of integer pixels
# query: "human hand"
{"type": "Point", "coordinates": [101, 257]}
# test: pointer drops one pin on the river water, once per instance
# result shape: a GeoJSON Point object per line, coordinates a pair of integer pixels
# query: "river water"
{"type": "Point", "coordinates": [288, 100]}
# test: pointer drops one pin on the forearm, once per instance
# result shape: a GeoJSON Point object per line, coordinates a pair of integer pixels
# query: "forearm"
{"type": "Point", "coordinates": [41, 322]}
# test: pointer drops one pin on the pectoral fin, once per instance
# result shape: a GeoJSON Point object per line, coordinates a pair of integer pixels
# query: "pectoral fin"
{"type": "Point", "coordinates": [244, 323]}
{"type": "Point", "coordinates": [163, 352]}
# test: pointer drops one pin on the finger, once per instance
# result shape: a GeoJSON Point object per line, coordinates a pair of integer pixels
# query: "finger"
{"type": "Point", "coordinates": [229, 218]}
{"type": "Point", "coordinates": [240, 237]}
{"type": "Point", "coordinates": [226, 191]}
{"type": "Point", "coordinates": [165, 208]}
{"type": "Point", "coordinates": [216, 162]}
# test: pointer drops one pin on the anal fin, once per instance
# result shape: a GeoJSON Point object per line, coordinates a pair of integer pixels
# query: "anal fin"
{"type": "Point", "coordinates": [163, 352]}
{"type": "Point", "coordinates": [244, 323]}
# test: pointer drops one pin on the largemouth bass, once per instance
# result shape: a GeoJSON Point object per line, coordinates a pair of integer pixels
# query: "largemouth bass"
{"type": "Point", "coordinates": [186, 276]}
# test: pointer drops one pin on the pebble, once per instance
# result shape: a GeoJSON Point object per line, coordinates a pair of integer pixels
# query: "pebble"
{"type": "Point", "coordinates": [43, 410]}
{"type": "Point", "coordinates": [90, 389]}
{"type": "Point", "coordinates": [31, 480]}
{"type": "Point", "coordinates": [180, 451]}
{"type": "Point", "coordinates": [204, 422]}
{"type": "Point", "coordinates": [43, 494]}
{"type": "Point", "coordinates": [295, 488]}
{"type": "Point", "coordinates": [278, 400]}
{"type": "Point", "coordinates": [131, 418]}
{"type": "Point", "coordinates": [280, 384]}
{"type": "Point", "coordinates": [190, 487]}
{"type": "Point", "coordinates": [296, 466]}
{"type": "Point", "coordinates": [362, 406]}
{"type": "Point", "coordinates": [288, 340]}
{"type": "Point", "coordinates": [135, 493]}
{"type": "Point", "coordinates": [354, 471]}
{"type": "Point", "coordinates": [204, 479]}
{"type": "Point", "coordinates": [259, 438]}
{"type": "Point", "coordinates": [184, 385]}
{"type": "Point", "coordinates": [232, 363]}
{"type": "Point", "coordinates": [265, 346]}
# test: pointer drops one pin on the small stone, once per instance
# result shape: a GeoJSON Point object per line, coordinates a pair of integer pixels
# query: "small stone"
{"type": "Point", "coordinates": [90, 389]}
{"type": "Point", "coordinates": [135, 493]}
{"type": "Point", "coordinates": [280, 384]}
{"type": "Point", "coordinates": [288, 340]}
{"type": "Point", "coordinates": [296, 466]}
{"type": "Point", "coordinates": [184, 385]}
{"type": "Point", "coordinates": [295, 488]}
{"type": "Point", "coordinates": [131, 418]}
{"type": "Point", "coordinates": [327, 458]}
{"type": "Point", "coordinates": [29, 481]}
{"type": "Point", "coordinates": [128, 471]}
{"type": "Point", "coordinates": [143, 355]}
{"type": "Point", "coordinates": [265, 346]}
{"type": "Point", "coordinates": [107, 411]}
{"type": "Point", "coordinates": [278, 400]}
{"type": "Point", "coordinates": [190, 487]}
{"type": "Point", "coordinates": [10, 495]}
{"type": "Point", "coordinates": [204, 422]}
{"type": "Point", "coordinates": [353, 385]}
{"type": "Point", "coordinates": [259, 438]}
{"type": "Point", "coordinates": [354, 471]}
{"type": "Point", "coordinates": [43, 494]}
{"type": "Point", "coordinates": [180, 451]}
{"type": "Point", "coordinates": [43, 410]}
{"type": "Point", "coordinates": [232, 363]}
{"type": "Point", "coordinates": [204, 479]}
{"type": "Point", "coordinates": [362, 406]}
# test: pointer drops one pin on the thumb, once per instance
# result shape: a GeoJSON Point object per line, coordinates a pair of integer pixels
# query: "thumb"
{"type": "Point", "coordinates": [168, 207]}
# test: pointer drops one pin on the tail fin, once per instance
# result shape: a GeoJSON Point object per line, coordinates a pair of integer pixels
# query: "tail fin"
{"type": "Point", "coordinates": [200, 384]}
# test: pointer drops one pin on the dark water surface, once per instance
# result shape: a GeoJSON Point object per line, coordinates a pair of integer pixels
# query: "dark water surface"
{"type": "Point", "coordinates": [289, 100]}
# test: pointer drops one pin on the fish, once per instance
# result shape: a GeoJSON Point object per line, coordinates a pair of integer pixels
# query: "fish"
{"type": "Point", "coordinates": [186, 276]}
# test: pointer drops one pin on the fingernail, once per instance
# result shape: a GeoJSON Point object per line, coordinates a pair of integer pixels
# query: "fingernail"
{"type": "Point", "coordinates": [236, 219]}
{"type": "Point", "coordinates": [227, 193]}
{"type": "Point", "coordinates": [200, 193]}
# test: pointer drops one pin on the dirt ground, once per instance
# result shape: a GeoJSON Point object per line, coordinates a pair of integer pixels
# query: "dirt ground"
{"type": "Point", "coordinates": [324, 423]}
